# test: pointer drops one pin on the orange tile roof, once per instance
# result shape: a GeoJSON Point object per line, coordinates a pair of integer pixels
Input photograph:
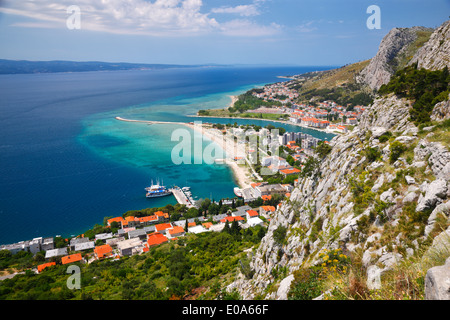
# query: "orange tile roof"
{"type": "Point", "coordinates": [162, 214]}
{"type": "Point", "coordinates": [117, 219]}
{"type": "Point", "coordinates": [163, 226]}
{"type": "Point", "coordinates": [207, 225]}
{"type": "Point", "coordinates": [266, 197]}
{"type": "Point", "coordinates": [175, 230]}
{"type": "Point", "coordinates": [45, 265]}
{"type": "Point", "coordinates": [71, 258]}
{"type": "Point", "coordinates": [254, 185]}
{"type": "Point", "coordinates": [148, 218]}
{"type": "Point", "coordinates": [156, 238]}
{"type": "Point", "coordinates": [252, 213]}
{"type": "Point", "coordinates": [231, 219]}
{"type": "Point", "coordinates": [191, 224]}
{"type": "Point", "coordinates": [102, 251]}
{"type": "Point", "coordinates": [268, 208]}
{"type": "Point", "coordinates": [289, 171]}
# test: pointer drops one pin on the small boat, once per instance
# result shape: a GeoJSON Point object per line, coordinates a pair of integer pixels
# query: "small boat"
{"type": "Point", "coordinates": [238, 192]}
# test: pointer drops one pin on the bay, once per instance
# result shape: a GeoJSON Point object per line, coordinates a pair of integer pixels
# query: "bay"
{"type": "Point", "coordinates": [66, 162]}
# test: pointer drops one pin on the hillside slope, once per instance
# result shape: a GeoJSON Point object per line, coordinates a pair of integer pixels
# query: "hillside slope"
{"type": "Point", "coordinates": [370, 221]}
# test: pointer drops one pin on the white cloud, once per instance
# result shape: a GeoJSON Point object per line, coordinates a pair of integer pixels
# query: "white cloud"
{"type": "Point", "coordinates": [242, 10]}
{"type": "Point", "coordinates": [161, 17]}
{"type": "Point", "coordinates": [247, 28]}
{"type": "Point", "coordinates": [306, 27]}
{"type": "Point", "coordinates": [141, 17]}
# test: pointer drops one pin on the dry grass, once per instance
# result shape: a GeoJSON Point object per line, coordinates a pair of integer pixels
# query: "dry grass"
{"type": "Point", "coordinates": [335, 77]}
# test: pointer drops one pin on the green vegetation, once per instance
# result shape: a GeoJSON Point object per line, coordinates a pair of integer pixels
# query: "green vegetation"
{"type": "Point", "coordinates": [424, 87]}
{"type": "Point", "coordinates": [248, 101]}
{"type": "Point", "coordinates": [344, 95]}
{"type": "Point", "coordinates": [279, 235]}
{"type": "Point", "coordinates": [397, 148]}
{"type": "Point", "coordinates": [385, 137]}
{"type": "Point", "coordinates": [311, 168]}
{"type": "Point", "coordinates": [169, 271]}
{"type": "Point", "coordinates": [323, 149]}
{"type": "Point", "coordinates": [372, 154]}
{"type": "Point", "coordinates": [310, 283]}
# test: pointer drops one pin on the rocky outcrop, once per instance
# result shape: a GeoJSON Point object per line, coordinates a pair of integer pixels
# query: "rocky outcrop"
{"type": "Point", "coordinates": [435, 54]}
{"type": "Point", "coordinates": [441, 110]}
{"type": "Point", "coordinates": [437, 155]}
{"type": "Point", "coordinates": [436, 192]}
{"type": "Point", "coordinates": [383, 65]}
{"type": "Point", "coordinates": [437, 279]}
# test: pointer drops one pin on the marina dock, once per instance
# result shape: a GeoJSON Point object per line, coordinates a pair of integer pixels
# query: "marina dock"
{"type": "Point", "coordinates": [183, 196]}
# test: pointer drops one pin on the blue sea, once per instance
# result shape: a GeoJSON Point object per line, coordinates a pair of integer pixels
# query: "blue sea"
{"type": "Point", "coordinates": [66, 162]}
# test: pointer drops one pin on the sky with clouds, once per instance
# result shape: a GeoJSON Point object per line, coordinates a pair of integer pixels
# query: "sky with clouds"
{"type": "Point", "coordinates": [278, 32]}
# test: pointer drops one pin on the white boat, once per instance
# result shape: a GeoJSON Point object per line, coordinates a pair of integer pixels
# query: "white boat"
{"type": "Point", "coordinates": [238, 192]}
{"type": "Point", "coordinates": [157, 190]}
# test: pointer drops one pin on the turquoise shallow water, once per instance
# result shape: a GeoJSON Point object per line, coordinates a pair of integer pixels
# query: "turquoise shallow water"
{"type": "Point", "coordinates": [148, 148]}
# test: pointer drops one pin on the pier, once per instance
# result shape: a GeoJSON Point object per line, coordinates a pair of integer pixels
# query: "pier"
{"type": "Point", "coordinates": [183, 197]}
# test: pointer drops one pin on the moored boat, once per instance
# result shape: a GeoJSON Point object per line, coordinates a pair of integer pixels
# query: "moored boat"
{"type": "Point", "coordinates": [157, 190]}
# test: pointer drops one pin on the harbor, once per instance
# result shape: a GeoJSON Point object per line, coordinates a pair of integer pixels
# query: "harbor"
{"type": "Point", "coordinates": [183, 196]}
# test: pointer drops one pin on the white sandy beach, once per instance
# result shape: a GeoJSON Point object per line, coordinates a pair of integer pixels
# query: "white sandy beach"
{"type": "Point", "coordinates": [232, 150]}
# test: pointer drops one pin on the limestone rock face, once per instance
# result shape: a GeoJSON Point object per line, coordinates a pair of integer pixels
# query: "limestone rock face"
{"type": "Point", "coordinates": [321, 214]}
{"type": "Point", "coordinates": [437, 282]}
{"type": "Point", "coordinates": [380, 68]}
{"type": "Point", "coordinates": [435, 53]}
{"type": "Point", "coordinates": [437, 279]}
{"type": "Point", "coordinates": [436, 191]}
{"type": "Point", "coordinates": [441, 110]}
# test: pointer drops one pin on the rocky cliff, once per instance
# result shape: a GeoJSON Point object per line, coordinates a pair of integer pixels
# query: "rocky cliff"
{"type": "Point", "coordinates": [435, 54]}
{"type": "Point", "coordinates": [377, 208]}
{"type": "Point", "coordinates": [395, 49]}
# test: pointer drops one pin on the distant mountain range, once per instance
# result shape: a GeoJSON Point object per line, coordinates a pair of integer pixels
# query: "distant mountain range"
{"type": "Point", "coordinates": [25, 66]}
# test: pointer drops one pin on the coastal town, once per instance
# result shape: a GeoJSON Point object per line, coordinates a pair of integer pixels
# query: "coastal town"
{"type": "Point", "coordinates": [132, 235]}
{"type": "Point", "coordinates": [327, 115]}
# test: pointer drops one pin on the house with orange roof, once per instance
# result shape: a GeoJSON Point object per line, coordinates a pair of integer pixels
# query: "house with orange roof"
{"type": "Point", "coordinates": [252, 214]}
{"type": "Point", "coordinates": [231, 219]}
{"type": "Point", "coordinates": [266, 197]}
{"type": "Point", "coordinates": [207, 225]}
{"type": "Point", "coordinates": [352, 121]}
{"type": "Point", "coordinates": [103, 251]}
{"type": "Point", "coordinates": [162, 227]}
{"type": "Point", "coordinates": [147, 220]}
{"type": "Point", "coordinates": [41, 267]}
{"type": "Point", "coordinates": [71, 258]}
{"type": "Point", "coordinates": [162, 216]}
{"type": "Point", "coordinates": [130, 222]}
{"type": "Point", "coordinates": [288, 172]}
{"type": "Point", "coordinates": [265, 210]}
{"type": "Point", "coordinates": [116, 219]}
{"type": "Point", "coordinates": [176, 231]}
{"type": "Point", "coordinates": [155, 239]}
